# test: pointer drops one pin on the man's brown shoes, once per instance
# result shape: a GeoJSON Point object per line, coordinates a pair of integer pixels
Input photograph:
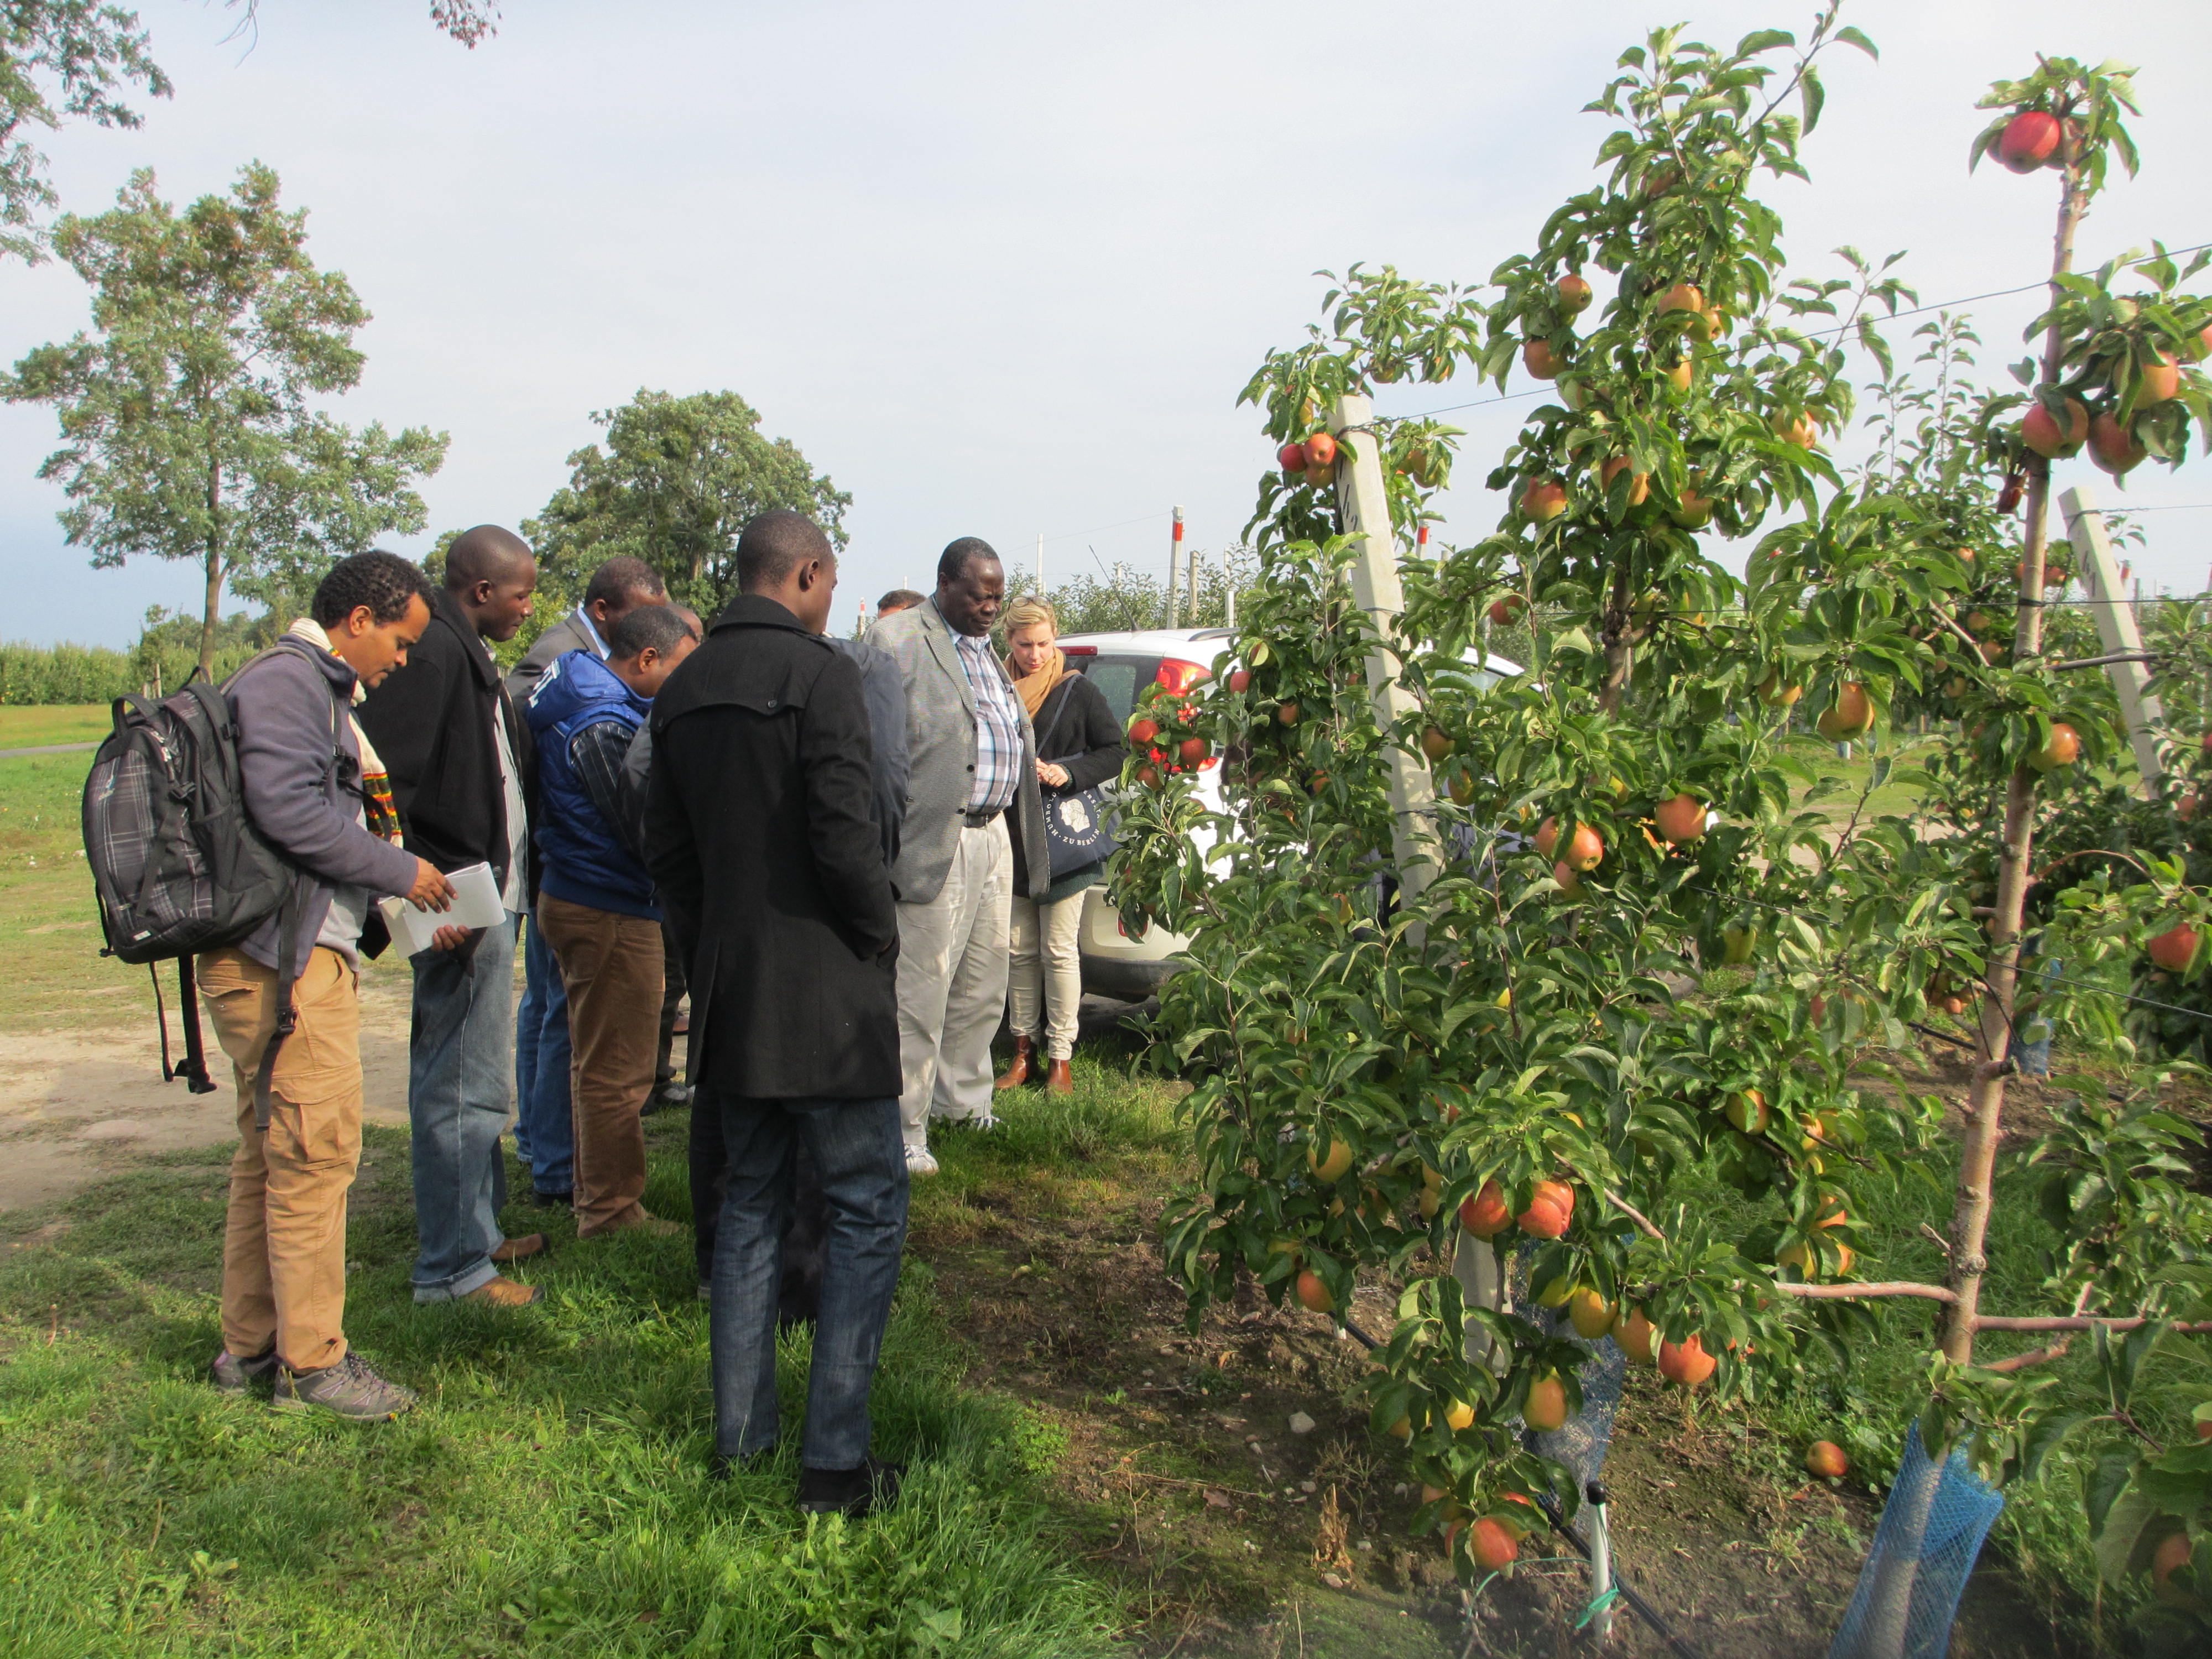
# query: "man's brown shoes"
{"type": "Point", "coordinates": [520, 1249]}
{"type": "Point", "coordinates": [505, 1293]}
{"type": "Point", "coordinates": [1058, 1079]}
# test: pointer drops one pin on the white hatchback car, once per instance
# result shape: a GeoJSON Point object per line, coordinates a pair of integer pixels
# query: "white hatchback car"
{"type": "Point", "coordinates": [1116, 964]}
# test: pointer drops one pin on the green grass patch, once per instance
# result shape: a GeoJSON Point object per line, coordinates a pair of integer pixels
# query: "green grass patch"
{"type": "Point", "coordinates": [80, 722]}
{"type": "Point", "coordinates": [550, 1494]}
{"type": "Point", "coordinates": [49, 923]}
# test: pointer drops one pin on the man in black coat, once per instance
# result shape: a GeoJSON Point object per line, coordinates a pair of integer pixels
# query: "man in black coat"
{"type": "Point", "coordinates": [761, 833]}
{"type": "Point", "coordinates": [458, 759]}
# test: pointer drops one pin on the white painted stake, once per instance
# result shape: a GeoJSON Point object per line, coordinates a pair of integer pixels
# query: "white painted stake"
{"type": "Point", "coordinates": [1175, 568]}
{"type": "Point", "coordinates": [2116, 628]}
{"type": "Point", "coordinates": [1364, 507]}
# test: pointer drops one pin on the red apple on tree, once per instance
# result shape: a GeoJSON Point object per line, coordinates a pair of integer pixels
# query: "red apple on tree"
{"type": "Point", "coordinates": [1503, 611]}
{"type": "Point", "coordinates": [2112, 447]}
{"type": "Point", "coordinates": [2029, 140]}
{"type": "Point", "coordinates": [1240, 680]}
{"type": "Point", "coordinates": [2064, 749]}
{"type": "Point", "coordinates": [1543, 501]}
{"type": "Point", "coordinates": [1144, 729]}
{"type": "Point", "coordinates": [1680, 818]}
{"type": "Point", "coordinates": [1193, 750]}
{"type": "Point", "coordinates": [2160, 382]}
{"type": "Point", "coordinates": [1574, 294]}
{"type": "Point", "coordinates": [2175, 948]}
{"type": "Point", "coordinates": [1320, 450]}
{"type": "Point", "coordinates": [1639, 484]}
{"type": "Point", "coordinates": [1686, 1362]}
{"type": "Point", "coordinates": [1540, 360]}
{"type": "Point", "coordinates": [1291, 458]}
{"type": "Point", "coordinates": [1484, 1215]}
{"type": "Point", "coordinates": [2041, 431]}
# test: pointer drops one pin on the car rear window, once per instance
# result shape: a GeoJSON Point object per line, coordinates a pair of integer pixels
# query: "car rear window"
{"type": "Point", "coordinates": [1121, 677]}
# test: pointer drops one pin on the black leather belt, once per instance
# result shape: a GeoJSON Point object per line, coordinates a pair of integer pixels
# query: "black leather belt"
{"type": "Point", "coordinates": [973, 818]}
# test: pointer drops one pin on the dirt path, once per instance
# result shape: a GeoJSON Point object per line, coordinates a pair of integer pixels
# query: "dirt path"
{"type": "Point", "coordinates": [79, 1103]}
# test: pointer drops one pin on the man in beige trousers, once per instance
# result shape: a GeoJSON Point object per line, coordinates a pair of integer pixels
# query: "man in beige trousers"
{"type": "Point", "coordinates": [972, 759]}
{"type": "Point", "coordinates": [315, 790]}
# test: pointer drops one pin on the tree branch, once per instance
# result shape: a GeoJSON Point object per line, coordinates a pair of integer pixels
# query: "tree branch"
{"type": "Point", "coordinates": [1642, 1223]}
{"type": "Point", "coordinates": [1852, 1292]}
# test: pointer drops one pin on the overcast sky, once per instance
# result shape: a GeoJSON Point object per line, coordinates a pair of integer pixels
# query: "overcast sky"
{"type": "Point", "coordinates": [1002, 269]}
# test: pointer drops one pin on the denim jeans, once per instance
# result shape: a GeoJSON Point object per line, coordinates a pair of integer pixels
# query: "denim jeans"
{"type": "Point", "coordinates": [460, 1070]}
{"type": "Point", "coordinates": [544, 1134]}
{"type": "Point", "coordinates": [857, 1146]}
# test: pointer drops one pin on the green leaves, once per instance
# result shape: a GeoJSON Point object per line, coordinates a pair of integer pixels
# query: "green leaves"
{"type": "Point", "coordinates": [185, 424]}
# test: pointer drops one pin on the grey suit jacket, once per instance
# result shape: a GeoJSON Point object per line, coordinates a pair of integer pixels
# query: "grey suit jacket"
{"type": "Point", "coordinates": [940, 725]}
{"type": "Point", "coordinates": [556, 642]}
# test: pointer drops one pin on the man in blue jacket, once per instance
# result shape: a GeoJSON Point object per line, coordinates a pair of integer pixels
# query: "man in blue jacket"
{"type": "Point", "coordinates": [597, 903]}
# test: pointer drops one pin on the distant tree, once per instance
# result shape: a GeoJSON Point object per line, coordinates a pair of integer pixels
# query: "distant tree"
{"type": "Point", "coordinates": [59, 60]}
{"type": "Point", "coordinates": [1125, 598]}
{"type": "Point", "coordinates": [184, 415]}
{"type": "Point", "coordinates": [675, 483]}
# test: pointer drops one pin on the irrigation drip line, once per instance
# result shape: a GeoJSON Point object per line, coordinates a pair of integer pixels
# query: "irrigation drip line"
{"type": "Point", "coordinates": [1645, 1610]}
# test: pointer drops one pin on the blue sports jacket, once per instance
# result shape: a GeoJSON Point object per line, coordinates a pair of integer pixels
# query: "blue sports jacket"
{"type": "Point", "coordinates": [583, 717]}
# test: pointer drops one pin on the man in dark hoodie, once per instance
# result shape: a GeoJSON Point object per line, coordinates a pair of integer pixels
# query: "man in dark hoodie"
{"type": "Point", "coordinates": [315, 791]}
{"type": "Point", "coordinates": [597, 903]}
{"type": "Point", "coordinates": [458, 753]}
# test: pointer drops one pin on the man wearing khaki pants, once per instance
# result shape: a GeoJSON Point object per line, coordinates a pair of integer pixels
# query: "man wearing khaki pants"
{"type": "Point", "coordinates": [597, 903]}
{"type": "Point", "coordinates": [972, 759]}
{"type": "Point", "coordinates": [315, 791]}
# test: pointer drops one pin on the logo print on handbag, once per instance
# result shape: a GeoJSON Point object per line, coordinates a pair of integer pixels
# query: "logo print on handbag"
{"type": "Point", "coordinates": [1074, 815]}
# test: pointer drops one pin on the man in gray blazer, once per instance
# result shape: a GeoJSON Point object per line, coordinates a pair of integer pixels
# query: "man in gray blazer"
{"type": "Point", "coordinates": [971, 758]}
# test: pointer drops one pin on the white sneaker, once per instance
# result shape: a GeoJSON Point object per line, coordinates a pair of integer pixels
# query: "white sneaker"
{"type": "Point", "coordinates": [918, 1162]}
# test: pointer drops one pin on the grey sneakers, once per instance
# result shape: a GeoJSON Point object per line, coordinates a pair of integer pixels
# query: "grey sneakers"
{"type": "Point", "coordinates": [232, 1375]}
{"type": "Point", "coordinates": [348, 1390]}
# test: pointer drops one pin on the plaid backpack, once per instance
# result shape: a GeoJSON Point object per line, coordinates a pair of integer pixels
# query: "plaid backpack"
{"type": "Point", "coordinates": [176, 862]}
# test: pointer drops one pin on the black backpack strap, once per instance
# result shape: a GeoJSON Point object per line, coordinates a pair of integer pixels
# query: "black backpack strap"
{"type": "Point", "coordinates": [194, 1070]}
{"type": "Point", "coordinates": [288, 1010]}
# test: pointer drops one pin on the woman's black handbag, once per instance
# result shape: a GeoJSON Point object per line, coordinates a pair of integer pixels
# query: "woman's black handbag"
{"type": "Point", "coordinates": [1076, 829]}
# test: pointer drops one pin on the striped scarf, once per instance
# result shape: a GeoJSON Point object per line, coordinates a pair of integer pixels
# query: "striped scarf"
{"type": "Point", "coordinates": [380, 812]}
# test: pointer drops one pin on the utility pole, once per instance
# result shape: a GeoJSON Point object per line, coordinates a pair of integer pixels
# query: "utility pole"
{"type": "Point", "coordinates": [1175, 568]}
{"type": "Point", "coordinates": [1190, 566]}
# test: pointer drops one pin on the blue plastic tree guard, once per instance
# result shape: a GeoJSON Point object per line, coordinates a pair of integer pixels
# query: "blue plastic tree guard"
{"type": "Point", "coordinates": [1930, 1534]}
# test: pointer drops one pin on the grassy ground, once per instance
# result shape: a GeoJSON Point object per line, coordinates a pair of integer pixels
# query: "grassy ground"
{"type": "Point", "coordinates": [550, 1495]}
{"type": "Point", "coordinates": [49, 926]}
{"type": "Point", "coordinates": [30, 727]}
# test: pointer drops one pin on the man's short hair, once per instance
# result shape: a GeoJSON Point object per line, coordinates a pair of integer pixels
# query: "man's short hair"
{"type": "Point", "coordinates": [775, 545]}
{"type": "Point", "coordinates": [620, 577]}
{"type": "Point", "coordinates": [899, 598]}
{"type": "Point", "coordinates": [485, 553]}
{"type": "Point", "coordinates": [952, 564]}
{"type": "Point", "coordinates": [650, 627]}
{"type": "Point", "coordinates": [383, 581]}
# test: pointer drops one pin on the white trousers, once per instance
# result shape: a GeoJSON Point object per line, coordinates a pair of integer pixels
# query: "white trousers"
{"type": "Point", "coordinates": [1045, 982]}
{"type": "Point", "coordinates": [953, 984]}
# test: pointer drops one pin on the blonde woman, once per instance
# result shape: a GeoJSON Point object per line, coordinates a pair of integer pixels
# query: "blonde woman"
{"type": "Point", "coordinates": [1078, 733]}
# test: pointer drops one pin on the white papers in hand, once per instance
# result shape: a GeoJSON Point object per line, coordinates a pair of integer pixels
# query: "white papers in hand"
{"type": "Point", "coordinates": [476, 904]}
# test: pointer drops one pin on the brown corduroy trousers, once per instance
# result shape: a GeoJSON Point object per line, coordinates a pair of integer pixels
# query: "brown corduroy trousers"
{"type": "Point", "coordinates": [612, 965]}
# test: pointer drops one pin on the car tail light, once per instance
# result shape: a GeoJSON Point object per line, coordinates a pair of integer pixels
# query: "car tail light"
{"type": "Point", "coordinates": [1179, 675]}
{"type": "Point", "coordinates": [1078, 650]}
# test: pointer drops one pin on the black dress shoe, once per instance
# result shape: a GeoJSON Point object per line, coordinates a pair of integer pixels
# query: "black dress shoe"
{"type": "Point", "coordinates": [854, 1492]}
{"type": "Point", "coordinates": [553, 1200]}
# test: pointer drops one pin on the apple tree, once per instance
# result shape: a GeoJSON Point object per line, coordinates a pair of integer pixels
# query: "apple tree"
{"type": "Point", "coordinates": [1642, 947]}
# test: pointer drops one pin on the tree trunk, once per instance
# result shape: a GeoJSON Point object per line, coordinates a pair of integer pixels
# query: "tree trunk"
{"type": "Point", "coordinates": [213, 611]}
{"type": "Point", "coordinates": [1620, 646]}
{"type": "Point", "coordinates": [1970, 1220]}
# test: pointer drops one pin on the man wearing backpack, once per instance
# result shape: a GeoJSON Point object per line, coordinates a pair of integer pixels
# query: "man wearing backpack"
{"type": "Point", "coordinates": [458, 753]}
{"type": "Point", "coordinates": [283, 1258]}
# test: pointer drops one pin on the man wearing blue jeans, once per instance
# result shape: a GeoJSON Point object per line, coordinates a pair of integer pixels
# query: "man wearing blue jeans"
{"type": "Point", "coordinates": [762, 833]}
{"type": "Point", "coordinates": [459, 758]}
